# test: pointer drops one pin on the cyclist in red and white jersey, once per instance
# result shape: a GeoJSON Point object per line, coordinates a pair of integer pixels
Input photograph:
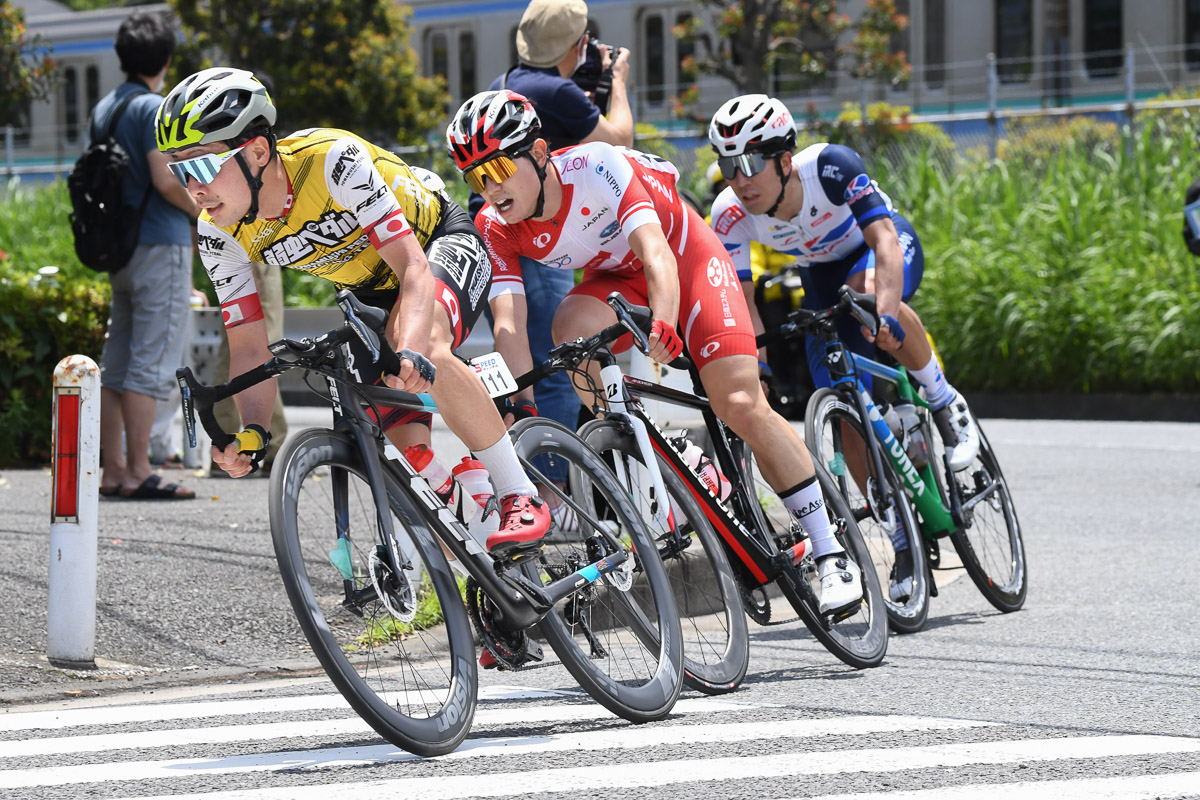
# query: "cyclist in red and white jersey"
{"type": "Point", "coordinates": [616, 214]}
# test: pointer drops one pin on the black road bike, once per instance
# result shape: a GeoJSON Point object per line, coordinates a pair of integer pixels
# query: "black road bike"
{"type": "Point", "coordinates": [362, 544]}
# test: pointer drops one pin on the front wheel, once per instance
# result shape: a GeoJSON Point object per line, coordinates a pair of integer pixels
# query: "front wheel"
{"type": "Point", "coordinates": [836, 435]}
{"type": "Point", "coordinates": [989, 542]}
{"type": "Point", "coordinates": [716, 641]}
{"type": "Point", "coordinates": [393, 637]}
{"type": "Point", "coordinates": [619, 633]}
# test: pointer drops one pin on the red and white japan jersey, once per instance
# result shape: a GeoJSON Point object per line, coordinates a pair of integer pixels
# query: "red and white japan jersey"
{"type": "Point", "coordinates": [608, 192]}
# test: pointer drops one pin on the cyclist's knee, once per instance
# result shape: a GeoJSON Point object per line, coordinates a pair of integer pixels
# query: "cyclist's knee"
{"type": "Point", "coordinates": [740, 409]}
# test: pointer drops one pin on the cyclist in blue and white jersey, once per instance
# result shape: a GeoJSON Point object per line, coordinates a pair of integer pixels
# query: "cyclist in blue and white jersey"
{"type": "Point", "coordinates": [822, 207]}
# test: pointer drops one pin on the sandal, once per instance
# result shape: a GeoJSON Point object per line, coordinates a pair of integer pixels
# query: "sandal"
{"type": "Point", "coordinates": [153, 488]}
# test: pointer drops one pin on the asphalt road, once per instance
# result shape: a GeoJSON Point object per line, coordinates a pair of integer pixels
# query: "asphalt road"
{"type": "Point", "coordinates": [1103, 654]}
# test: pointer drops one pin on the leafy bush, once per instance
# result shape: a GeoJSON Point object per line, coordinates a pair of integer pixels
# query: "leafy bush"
{"type": "Point", "coordinates": [42, 320]}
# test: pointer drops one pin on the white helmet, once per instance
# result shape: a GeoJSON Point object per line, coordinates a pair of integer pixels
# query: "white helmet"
{"type": "Point", "coordinates": [488, 124]}
{"type": "Point", "coordinates": [752, 123]}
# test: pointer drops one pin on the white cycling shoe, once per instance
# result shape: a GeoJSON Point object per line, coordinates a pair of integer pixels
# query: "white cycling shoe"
{"type": "Point", "coordinates": [841, 583]}
{"type": "Point", "coordinates": [959, 432]}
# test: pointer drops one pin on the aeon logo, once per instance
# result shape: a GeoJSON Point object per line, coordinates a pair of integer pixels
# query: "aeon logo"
{"type": "Point", "coordinates": [541, 240]}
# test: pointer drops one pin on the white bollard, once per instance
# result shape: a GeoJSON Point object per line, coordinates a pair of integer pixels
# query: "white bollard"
{"type": "Point", "coordinates": [71, 612]}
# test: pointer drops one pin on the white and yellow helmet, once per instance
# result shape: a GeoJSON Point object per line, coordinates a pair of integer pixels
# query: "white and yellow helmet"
{"type": "Point", "coordinates": [212, 105]}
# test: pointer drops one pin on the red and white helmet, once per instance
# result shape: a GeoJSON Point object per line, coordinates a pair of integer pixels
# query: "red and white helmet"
{"type": "Point", "coordinates": [752, 123]}
{"type": "Point", "coordinates": [491, 123]}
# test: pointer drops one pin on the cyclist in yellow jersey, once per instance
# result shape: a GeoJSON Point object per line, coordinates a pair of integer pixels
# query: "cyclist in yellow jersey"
{"type": "Point", "coordinates": [334, 205]}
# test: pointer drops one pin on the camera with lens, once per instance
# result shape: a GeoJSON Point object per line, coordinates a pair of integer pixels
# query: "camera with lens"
{"type": "Point", "coordinates": [591, 75]}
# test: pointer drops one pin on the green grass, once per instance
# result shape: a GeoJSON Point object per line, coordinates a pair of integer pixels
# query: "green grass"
{"type": "Point", "coordinates": [429, 614]}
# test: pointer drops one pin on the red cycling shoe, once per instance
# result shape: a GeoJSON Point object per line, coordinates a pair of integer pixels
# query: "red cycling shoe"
{"type": "Point", "coordinates": [524, 520]}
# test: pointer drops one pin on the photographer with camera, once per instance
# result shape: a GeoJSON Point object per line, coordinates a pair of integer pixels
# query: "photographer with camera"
{"type": "Point", "coordinates": [559, 67]}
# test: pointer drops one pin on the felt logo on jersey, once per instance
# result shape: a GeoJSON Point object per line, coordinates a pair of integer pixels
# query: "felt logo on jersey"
{"type": "Point", "coordinates": [329, 230]}
{"type": "Point", "coordinates": [858, 188]}
{"type": "Point", "coordinates": [728, 217]}
{"type": "Point", "coordinates": [572, 164]}
{"type": "Point", "coordinates": [541, 240]}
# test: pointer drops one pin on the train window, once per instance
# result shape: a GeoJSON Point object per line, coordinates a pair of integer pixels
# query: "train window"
{"type": "Point", "coordinates": [1191, 33]}
{"type": "Point", "coordinates": [935, 44]}
{"type": "Point", "coordinates": [1014, 40]}
{"type": "Point", "coordinates": [1102, 37]}
{"type": "Point", "coordinates": [466, 64]}
{"type": "Point", "coordinates": [70, 88]}
{"type": "Point", "coordinates": [439, 54]}
{"type": "Point", "coordinates": [92, 81]}
{"type": "Point", "coordinates": [656, 61]}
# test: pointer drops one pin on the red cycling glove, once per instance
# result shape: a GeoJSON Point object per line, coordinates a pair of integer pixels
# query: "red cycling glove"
{"type": "Point", "coordinates": [669, 338]}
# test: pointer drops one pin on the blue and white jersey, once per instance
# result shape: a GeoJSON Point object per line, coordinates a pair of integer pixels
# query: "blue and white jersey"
{"type": "Point", "coordinates": [840, 199]}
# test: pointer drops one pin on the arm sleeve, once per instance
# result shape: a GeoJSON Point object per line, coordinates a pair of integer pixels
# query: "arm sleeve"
{"type": "Point", "coordinates": [506, 264]}
{"type": "Point", "coordinates": [230, 270]}
{"type": "Point", "coordinates": [845, 181]}
{"type": "Point", "coordinates": [356, 185]}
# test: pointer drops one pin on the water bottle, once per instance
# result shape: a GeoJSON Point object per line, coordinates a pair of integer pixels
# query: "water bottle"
{"type": "Point", "coordinates": [440, 479]}
{"type": "Point", "coordinates": [473, 478]}
{"type": "Point", "coordinates": [710, 476]}
{"type": "Point", "coordinates": [912, 438]}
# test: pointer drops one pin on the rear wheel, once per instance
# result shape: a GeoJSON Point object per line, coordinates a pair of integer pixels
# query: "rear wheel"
{"type": "Point", "coordinates": [618, 635]}
{"type": "Point", "coordinates": [395, 642]}
{"type": "Point", "coordinates": [835, 433]}
{"type": "Point", "coordinates": [716, 643]}
{"type": "Point", "coordinates": [989, 542]}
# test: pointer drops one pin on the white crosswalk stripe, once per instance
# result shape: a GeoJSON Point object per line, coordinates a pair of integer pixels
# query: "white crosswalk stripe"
{"type": "Point", "coordinates": [232, 750]}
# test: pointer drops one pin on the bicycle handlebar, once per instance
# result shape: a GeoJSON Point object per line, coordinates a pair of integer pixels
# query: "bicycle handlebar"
{"type": "Point", "coordinates": [633, 319]}
{"type": "Point", "coordinates": [366, 322]}
{"type": "Point", "coordinates": [859, 305]}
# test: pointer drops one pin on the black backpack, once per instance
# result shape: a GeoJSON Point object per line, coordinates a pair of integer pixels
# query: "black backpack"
{"type": "Point", "coordinates": [106, 230]}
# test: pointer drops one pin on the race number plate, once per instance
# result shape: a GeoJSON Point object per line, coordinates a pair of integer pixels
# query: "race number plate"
{"type": "Point", "coordinates": [495, 374]}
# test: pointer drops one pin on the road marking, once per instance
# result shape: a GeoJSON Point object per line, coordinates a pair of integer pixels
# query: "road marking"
{"type": "Point", "coordinates": [224, 734]}
{"type": "Point", "coordinates": [1125, 787]}
{"type": "Point", "coordinates": [619, 737]}
{"type": "Point", "coordinates": [163, 712]}
{"type": "Point", "coordinates": [665, 773]}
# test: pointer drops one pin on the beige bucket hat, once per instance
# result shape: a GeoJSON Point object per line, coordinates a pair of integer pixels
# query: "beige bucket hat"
{"type": "Point", "coordinates": [549, 29]}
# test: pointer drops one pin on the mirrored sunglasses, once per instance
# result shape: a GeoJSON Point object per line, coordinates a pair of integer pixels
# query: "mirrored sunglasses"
{"type": "Point", "coordinates": [749, 164]}
{"type": "Point", "coordinates": [203, 168]}
{"type": "Point", "coordinates": [499, 169]}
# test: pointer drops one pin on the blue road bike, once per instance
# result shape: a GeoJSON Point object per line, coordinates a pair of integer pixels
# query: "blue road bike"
{"type": "Point", "coordinates": [899, 504]}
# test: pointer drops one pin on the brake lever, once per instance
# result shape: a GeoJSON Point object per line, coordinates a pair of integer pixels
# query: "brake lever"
{"type": "Point", "coordinates": [625, 316]}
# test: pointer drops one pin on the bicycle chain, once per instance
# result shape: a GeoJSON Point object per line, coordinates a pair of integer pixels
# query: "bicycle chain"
{"type": "Point", "coordinates": [510, 650]}
{"type": "Point", "coordinates": [759, 612]}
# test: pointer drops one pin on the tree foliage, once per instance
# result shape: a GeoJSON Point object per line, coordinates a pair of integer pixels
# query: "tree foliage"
{"type": "Point", "coordinates": [795, 39]}
{"type": "Point", "coordinates": [26, 68]}
{"type": "Point", "coordinates": [340, 63]}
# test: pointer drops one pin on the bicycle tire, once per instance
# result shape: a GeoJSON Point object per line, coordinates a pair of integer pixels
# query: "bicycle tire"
{"type": "Point", "coordinates": [413, 680]}
{"type": "Point", "coordinates": [826, 421]}
{"type": "Point", "coordinates": [716, 639]}
{"type": "Point", "coordinates": [994, 559]}
{"type": "Point", "coordinates": [618, 636]}
{"type": "Point", "coordinates": [859, 640]}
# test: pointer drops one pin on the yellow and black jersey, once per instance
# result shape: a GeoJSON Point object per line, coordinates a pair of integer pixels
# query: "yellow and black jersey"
{"type": "Point", "coordinates": [346, 198]}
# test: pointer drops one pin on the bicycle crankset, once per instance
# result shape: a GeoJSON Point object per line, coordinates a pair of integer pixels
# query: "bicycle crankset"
{"type": "Point", "coordinates": [510, 649]}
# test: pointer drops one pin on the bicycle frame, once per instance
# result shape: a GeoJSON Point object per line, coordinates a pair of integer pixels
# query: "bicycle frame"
{"type": "Point", "coordinates": [519, 602]}
{"type": "Point", "coordinates": [921, 485]}
{"type": "Point", "coordinates": [758, 554]}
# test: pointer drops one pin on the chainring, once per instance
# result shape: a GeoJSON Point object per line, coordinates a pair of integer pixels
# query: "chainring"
{"type": "Point", "coordinates": [509, 648]}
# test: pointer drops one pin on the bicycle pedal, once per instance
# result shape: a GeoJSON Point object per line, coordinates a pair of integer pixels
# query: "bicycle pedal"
{"type": "Point", "coordinates": [517, 552]}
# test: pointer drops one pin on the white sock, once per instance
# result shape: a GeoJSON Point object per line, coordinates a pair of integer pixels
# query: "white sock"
{"type": "Point", "coordinates": [500, 460]}
{"type": "Point", "coordinates": [807, 504]}
{"type": "Point", "coordinates": [937, 391]}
